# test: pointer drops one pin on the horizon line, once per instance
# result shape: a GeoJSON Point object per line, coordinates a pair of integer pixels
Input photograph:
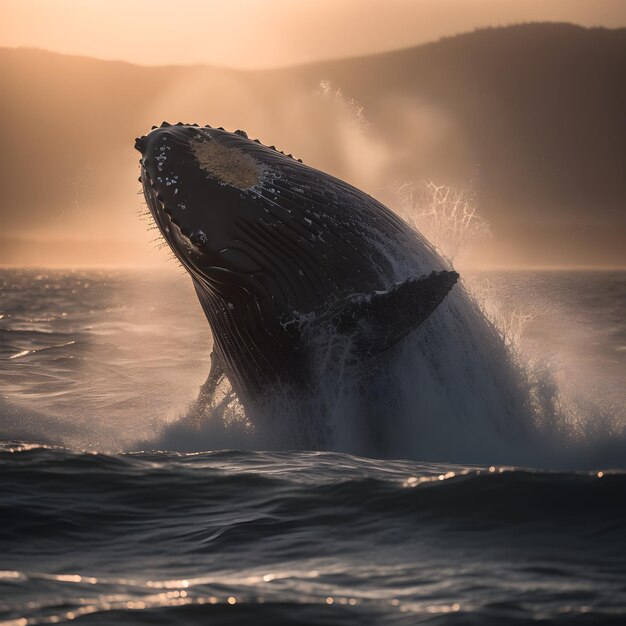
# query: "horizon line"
{"type": "Point", "coordinates": [468, 269]}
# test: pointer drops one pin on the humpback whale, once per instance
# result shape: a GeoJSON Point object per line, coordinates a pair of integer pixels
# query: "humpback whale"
{"type": "Point", "coordinates": [280, 253]}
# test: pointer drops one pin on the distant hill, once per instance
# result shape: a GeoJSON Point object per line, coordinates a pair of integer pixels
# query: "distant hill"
{"type": "Point", "coordinates": [531, 118]}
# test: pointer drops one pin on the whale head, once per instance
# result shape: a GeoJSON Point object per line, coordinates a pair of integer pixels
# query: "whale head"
{"type": "Point", "coordinates": [199, 183]}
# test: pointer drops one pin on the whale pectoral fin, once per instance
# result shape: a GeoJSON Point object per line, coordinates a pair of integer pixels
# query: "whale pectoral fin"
{"type": "Point", "coordinates": [215, 377]}
{"type": "Point", "coordinates": [377, 321]}
{"type": "Point", "coordinates": [209, 403]}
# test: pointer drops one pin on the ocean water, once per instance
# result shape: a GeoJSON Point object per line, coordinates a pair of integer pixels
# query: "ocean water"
{"type": "Point", "coordinates": [103, 519]}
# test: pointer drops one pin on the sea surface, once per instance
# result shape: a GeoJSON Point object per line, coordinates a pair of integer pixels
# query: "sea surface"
{"type": "Point", "coordinates": [104, 521]}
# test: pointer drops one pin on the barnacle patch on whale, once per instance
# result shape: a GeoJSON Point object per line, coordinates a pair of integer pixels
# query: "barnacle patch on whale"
{"type": "Point", "coordinates": [230, 165]}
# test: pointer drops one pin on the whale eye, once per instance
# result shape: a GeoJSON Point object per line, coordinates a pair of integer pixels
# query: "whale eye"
{"type": "Point", "coordinates": [198, 238]}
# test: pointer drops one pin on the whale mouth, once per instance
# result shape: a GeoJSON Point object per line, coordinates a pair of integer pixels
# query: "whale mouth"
{"type": "Point", "coordinates": [162, 215]}
{"type": "Point", "coordinates": [185, 244]}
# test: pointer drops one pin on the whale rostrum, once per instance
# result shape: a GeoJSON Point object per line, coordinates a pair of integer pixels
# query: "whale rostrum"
{"type": "Point", "coordinates": [280, 254]}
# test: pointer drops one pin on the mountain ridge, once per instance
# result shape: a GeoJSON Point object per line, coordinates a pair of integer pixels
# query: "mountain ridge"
{"type": "Point", "coordinates": [355, 57]}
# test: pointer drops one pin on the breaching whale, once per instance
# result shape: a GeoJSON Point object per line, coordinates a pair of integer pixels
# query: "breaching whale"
{"type": "Point", "coordinates": [279, 253]}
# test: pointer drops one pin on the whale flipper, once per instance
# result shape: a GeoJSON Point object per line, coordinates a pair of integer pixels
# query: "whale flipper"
{"type": "Point", "coordinates": [215, 377]}
{"type": "Point", "coordinates": [376, 321]}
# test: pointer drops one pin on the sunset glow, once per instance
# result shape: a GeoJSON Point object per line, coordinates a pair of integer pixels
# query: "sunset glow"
{"type": "Point", "coordinates": [268, 33]}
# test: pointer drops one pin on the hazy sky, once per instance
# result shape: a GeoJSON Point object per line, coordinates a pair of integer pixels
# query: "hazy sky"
{"type": "Point", "coordinates": [254, 33]}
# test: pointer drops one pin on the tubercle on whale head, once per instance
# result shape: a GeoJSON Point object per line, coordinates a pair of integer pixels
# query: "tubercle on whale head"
{"type": "Point", "coordinates": [139, 141]}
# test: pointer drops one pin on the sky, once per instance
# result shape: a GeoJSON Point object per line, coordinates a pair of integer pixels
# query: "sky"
{"type": "Point", "coordinates": [268, 33]}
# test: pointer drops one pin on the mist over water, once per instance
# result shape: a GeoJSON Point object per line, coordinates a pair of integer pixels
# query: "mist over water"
{"type": "Point", "coordinates": [97, 359]}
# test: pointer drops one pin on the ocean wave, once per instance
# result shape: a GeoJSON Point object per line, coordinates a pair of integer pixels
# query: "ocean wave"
{"type": "Point", "coordinates": [303, 537]}
{"type": "Point", "coordinates": [59, 488]}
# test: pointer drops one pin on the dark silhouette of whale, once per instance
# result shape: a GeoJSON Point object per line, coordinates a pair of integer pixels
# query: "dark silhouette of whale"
{"type": "Point", "coordinates": [279, 254]}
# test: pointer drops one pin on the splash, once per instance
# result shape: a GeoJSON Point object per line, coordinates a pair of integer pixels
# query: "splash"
{"type": "Point", "coordinates": [447, 217]}
{"type": "Point", "coordinates": [449, 391]}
